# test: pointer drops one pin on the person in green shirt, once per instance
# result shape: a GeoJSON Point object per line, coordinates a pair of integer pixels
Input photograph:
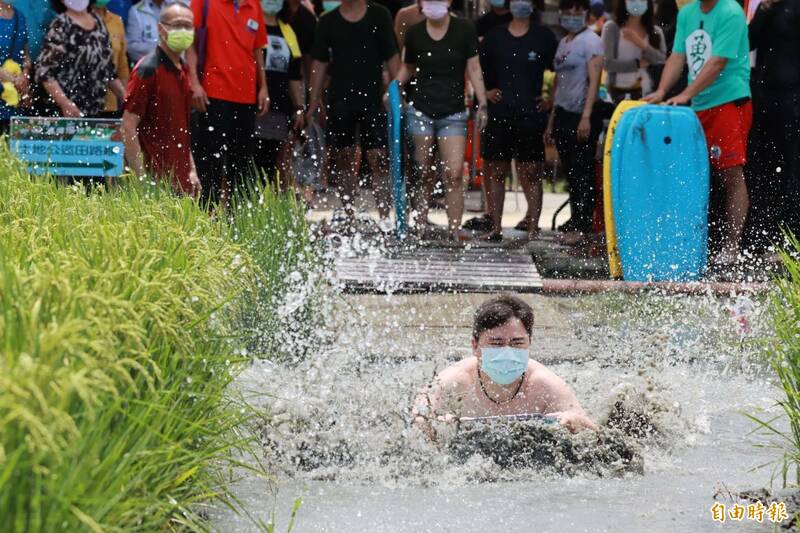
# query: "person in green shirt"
{"type": "Point", "coordinates": [711, 38]}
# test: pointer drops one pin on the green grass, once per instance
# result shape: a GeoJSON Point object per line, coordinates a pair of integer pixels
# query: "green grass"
{"type": "Point", "coordinates": [784, 357]}
{"type": "Point", "coordinates": [118, 314]}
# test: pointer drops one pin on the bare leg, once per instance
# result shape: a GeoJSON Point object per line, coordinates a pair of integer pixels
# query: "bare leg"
{"type": "Point", "coordinates": [379, 165]}
{"type": "Point", "coordinates": [530, 177]}
{"type": "Point", "coordinates": [286, 176]}
{"type": "Point", "coordinates": [494, 174]}
{"type": "Point", "coordinates": [451, 150]}
{"type": "Point", "coordinates": [344, 163]}
{"type": "Point", "coordinates": [423, 155]}
{"type": "Point", "coordinates": [737, 203]}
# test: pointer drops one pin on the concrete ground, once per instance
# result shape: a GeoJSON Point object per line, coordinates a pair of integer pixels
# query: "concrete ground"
{"type": "Point", "coordinates": [418, 317]}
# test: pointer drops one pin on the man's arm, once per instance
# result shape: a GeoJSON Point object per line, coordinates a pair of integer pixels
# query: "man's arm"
{"type": "Point", "coordinates": [563, 404]}
{"type": "Point", "coordinates": [130, 136]}
{"type": "Point", "coordinates": [318, 70]}
{"type": "Point", "coordinates": [261, 74]}
{"type": "Point", "coordinates": [673, 70]}
{"type": "Point", "coordinates": [595, 68]}
{"type": "Point", "coordinates": [199, 96]}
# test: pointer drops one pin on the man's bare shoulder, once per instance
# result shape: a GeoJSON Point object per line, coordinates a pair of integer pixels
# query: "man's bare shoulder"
{"type": "Point", "coordinates": [542, 377]}
{"type": "Point", "coordinates": [458, 374]}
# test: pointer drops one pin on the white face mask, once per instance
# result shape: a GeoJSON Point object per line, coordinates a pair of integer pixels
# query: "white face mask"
{"type": "Point", "coordinates": [76, 5]}
{"type": "Point", "coordinates": [434, 9]}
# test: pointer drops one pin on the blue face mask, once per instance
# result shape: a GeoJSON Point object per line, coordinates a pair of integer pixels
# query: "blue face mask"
{"type": "Point", "coordinates": [521, 9]}
{"type": "Point", "coordinates": [504, 365]}
{"type": "Point", "coordinates": [637, 8]}
{"type": "Point", "coordinates": [330, 5]}
{"type": "Point", "coordinates": [497, 3]}
{"type": "Point", "coordinates": [573, 23]}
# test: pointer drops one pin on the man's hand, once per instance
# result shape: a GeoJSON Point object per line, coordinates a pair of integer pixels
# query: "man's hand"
{"type": "Point", "coordinates": [263, 101]}
{"type": "Point", "coordinates": [298, 122]}
{"type": "Point", "coordinates": [481, 117]}
{"type": "Point", "coordinates": [494, 95]}
{"type": "Point", "coordinates": [199, 97]}
{"type": "Point", "coordinates": [573, 421]}
{"type": "Point", "coordinates": [584, 128]}
{"type": "Point", "coordinates": [655, 97]}
{"type": "Point", "coordinates": [70, 110]}
{"type": "Point", "coordinates": [197, 188]}
{"type": "Point", "coordinates": [681, 99]}
{"type": "Point", "coordinates": [633, 37]}
{"type": "Point", "coordinates": [543, 105]}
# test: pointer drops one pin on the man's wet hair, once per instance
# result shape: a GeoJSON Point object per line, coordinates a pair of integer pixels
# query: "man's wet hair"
{"type": "Point", "coordinates": [499, 310]}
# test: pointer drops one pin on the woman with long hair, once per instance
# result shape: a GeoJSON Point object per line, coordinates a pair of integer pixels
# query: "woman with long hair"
{"type": "Point", "coordinates": [632, 42]}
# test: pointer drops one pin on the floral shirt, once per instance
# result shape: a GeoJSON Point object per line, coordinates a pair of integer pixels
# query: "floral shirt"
{"type": "Point", "coordinates": [80, 60]}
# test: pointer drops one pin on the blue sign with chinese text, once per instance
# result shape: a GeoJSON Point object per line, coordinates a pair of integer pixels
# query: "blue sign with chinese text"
{"type": "Point", "coordinates": [68, 147]}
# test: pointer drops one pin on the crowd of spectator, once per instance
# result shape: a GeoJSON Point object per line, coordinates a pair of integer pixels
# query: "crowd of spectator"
{"type": "Point", "coordinates": [215, 94]}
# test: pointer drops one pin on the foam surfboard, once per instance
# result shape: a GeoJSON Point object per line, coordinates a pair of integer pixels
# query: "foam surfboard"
{"type": "Point", "coordinates": [396, 158]}
{"type": "Point", "coordinates": [614, 266]}
{"type": "Point", "coordinates": [659, 194]}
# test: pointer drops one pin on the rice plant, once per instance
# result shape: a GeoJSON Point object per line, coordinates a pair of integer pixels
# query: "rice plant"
{"type": "Point", "coordinates": [116, 314]}
{"type": "Point", "coordinates": [282, 316]}
{"type": "Point", "coordinates": [784, 358]}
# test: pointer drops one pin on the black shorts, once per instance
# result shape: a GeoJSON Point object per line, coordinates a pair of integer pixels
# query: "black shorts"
{"type": "Point", "coordinates": [521, 139]}
{"type": "Point", "coordinates": [345, 126]}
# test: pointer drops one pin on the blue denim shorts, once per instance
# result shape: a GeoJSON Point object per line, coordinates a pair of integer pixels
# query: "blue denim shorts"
{"type": "Point", "coordinates": [420, 125]}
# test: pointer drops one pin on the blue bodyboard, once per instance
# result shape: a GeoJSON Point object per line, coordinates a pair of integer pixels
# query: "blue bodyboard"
{"type": "Point", "coordinates": [660, 189]}
{"type": "Point", "coordinates": [396, 158]}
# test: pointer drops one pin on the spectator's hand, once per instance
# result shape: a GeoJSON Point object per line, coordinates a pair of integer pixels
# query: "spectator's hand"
{"type": "Point", "coordinates": [197, 188]}
{"type": "Point", "coordinates": [681, 99]}
{"type": "Point", "coordinates": [584, 127]}
{"type": "Point", "coordinates": [481, 117]}
{"type": "Point", "coordinates": [70, 110]}
{"type": "Point", "coordinates": [643, 63]}
{"type": "Point", "coordinates": [299, 121]}
{"type": "Point", "coordinates": [494, 95]}
{"type": "Point", "coordinates": [543, 105]}
{"type": "Point", "coordinates": [21, 83]}
{"type": "Point", "coordinates": [633, 37]}
{"type": "Point", "coordinates": [263, 101]}
{"type": "Point", "coordinates": [199, 98]}
{"type": "Point", "coordinates": [656, 97]}
{"type": "Point", "coordinates": [548, 136]}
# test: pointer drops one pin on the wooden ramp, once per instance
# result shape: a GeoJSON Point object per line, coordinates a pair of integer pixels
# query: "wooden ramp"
{"type": "Point", "coordinates": [479, 269]}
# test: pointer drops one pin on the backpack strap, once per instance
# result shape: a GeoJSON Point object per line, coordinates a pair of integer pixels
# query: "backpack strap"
{"type": "Point", "coordinates": [291, 38]}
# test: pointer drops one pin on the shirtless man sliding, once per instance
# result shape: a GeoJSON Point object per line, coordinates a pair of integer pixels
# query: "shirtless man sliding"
{"type": "Point", "coordinates": [499, 378]}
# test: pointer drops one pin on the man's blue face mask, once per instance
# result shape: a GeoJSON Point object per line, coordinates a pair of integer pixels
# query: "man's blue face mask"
{"type": "Point", "coordinates": [504, 364]}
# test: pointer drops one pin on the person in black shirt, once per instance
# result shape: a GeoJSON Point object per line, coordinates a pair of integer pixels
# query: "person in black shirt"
{"type": "Point", "coordinates": [499, 15]}
{"type": "Point", "coordinates": [774, 179]}
{"type": "Point", "coordinates": [441, 50]}
{"type": "Point", "coordinates": [514, 59]}
{"type": "Point", "coordinates": [275, 132]}
{"type": "Point", "coordinates": [355, 39]}
{"type": "Point", "coordinates": [304, 24]}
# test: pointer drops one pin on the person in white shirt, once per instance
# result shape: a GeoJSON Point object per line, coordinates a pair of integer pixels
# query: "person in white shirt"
{"type": "Point", "coordinates": [142, 30]}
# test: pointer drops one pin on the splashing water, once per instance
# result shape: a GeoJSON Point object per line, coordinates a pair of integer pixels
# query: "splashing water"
{"type": "Point", "coordinates": [666, 377]}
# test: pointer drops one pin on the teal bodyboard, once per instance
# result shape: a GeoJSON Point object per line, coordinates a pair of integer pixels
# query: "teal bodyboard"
{"type": "Point", "coordinates": [396, 158]}
{"type": "Point", "coordinates": [660, 180]}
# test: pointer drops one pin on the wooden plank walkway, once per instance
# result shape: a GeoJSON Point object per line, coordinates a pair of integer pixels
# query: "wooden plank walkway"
{"type": "Point", "coordinates": [478, 269]}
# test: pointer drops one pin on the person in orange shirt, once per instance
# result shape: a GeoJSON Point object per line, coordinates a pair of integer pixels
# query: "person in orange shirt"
{"type": "Point", "coordinates": [119, 49]}
{"type": "Point", "coordinates": [229, 87]}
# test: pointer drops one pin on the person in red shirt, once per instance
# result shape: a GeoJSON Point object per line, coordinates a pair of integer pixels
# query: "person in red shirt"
{"type": "Point", "coordinates": [229, 87]}
{"type": "Point", "coordinates": [155, 119]}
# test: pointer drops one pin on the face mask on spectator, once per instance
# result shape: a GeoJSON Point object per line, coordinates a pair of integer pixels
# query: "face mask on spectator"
{"type": "Point", "coordinates": [521, 9]}
{"type": "Point", "coordinates": [271, 6]}
{"type": "Point", "coordinates": [573, 23]}
{"type": "Point", "coordinates": [179, 40]}
{"type": "Point", "coordinates": [637, 8]}
{"type": "Point", "coordinates": [76, 5]}
{"type": "Point", "coordinates": [497, 3]}
{"type": "Point", "coordinates": [434, 9]}
{"type": "Point", "coordinates": [330, 5]}
{"type": "Point", "coordinates": [101, 3]}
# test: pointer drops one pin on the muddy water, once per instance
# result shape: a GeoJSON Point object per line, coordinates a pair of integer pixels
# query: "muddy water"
{"type": "Point", "coordinates": [338, 433]}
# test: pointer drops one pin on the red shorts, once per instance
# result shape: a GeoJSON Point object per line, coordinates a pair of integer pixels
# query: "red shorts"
{"type": "Point", "coordinates": [727, 128]}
